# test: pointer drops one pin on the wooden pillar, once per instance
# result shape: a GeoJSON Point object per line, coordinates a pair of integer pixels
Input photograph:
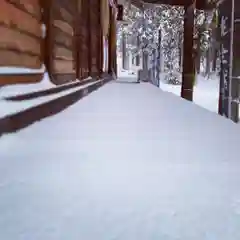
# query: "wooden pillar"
{"type": "Point", "coordinates": [235, 79]}
{"type": "Point", "coordinates": [112, 44]}
{"type": "Point", "coordinates": [78, 41]}
{"type": "Point", "coordinates": [105, 26]}
{"type": "Point", "coordinates": [221, 99]}
{"type": "Point", "coordinates": [100, 43]}
{"type": "Point", "coordinates": [225, 13]}
{"type": "Point", "coordinates": [89, 37]}
{"type": "Point", "coordinates": [230, 63]}
{"type": "Point", "coordinates": [188, 74]}
{"type": "Point", "coordinates": [46, 44]}
{"type": "Point", "coordinates": [115, 46]}
{"type": "Point", "coordinates": [83, 40]}
{"type": "Point", "coordinates": [100, 54]}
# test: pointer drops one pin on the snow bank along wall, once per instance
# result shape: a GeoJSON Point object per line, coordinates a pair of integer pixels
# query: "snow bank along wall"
{"type": "Point", "coordinates": [62, 37]}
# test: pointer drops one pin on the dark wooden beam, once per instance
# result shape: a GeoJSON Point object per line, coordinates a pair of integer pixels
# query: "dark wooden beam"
{"type": "Point", "coordinates": [200, 4]}
{"type": "Point", "coordinates": [230, 64]}
{"type": "Point", "coordinates": [188, 75]}
{"type": "Point", "coordinates": [235, 79]}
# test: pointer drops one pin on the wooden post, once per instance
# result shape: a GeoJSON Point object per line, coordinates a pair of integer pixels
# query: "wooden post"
{"type": "Point", "coordinates": [226, 59]}
{"type": "Point", "coordinates": [221, 100]}
{"type": "Point", "coordinates": [89, 37]}
{"type": "Point", "coordinates": [188, 58]}
{"type": "Point", "coordinates": [230, 55]}
{"type": "Point", "coordinates": [100, 53]}
{"type": "Point", "coordinates": [110, 42]}
{"type": "Point", "coordinates": [235, 76]}
{"type": "Point", "coordinates": [46, 48]}
{"type": "Point", "coordinates": [112, 46]}
{"type": "Point", "coordinates": [78, 42]}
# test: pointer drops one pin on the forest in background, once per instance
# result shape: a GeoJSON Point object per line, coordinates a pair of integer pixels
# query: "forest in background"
{"type": "Point", "coordinates": [158, 29]}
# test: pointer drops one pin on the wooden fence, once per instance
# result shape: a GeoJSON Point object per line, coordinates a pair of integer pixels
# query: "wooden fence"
{"type": "Point", "coordinates": [63, 37]}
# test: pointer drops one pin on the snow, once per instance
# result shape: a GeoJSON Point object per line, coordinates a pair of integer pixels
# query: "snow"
{"type": "Point", "coordinates": [11, 107]}
{"type": "Point", "coordinates": [206, 91]}
{"type": "Point", "coordinates": [12, 90]}
{"type": "Point", "coordinates": [128, 162]}
{"type": "Point", "coordinates": [17, 70]}
{"type": "Point", "coordinates": [8, 107]}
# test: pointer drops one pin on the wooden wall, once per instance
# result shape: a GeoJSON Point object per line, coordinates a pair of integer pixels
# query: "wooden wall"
{"type": "Point", "coordinates": [20, 38]}
{"type": "Point", "coordinates": [60, 44]}
{"type": "Point", "coordinates": [70, 48]}
{"type": "Point", "coordinates": [95, 38]}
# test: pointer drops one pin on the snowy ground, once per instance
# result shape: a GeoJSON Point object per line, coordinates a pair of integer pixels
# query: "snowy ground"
{"type": "Point", "coordinates": [12, 90]}
{"type": "Point", "coordinates": [128, 162]}
{"type": "Point", "coordinates": [9, 107]}
{"type": "Point", "coordinates": [206, 90]}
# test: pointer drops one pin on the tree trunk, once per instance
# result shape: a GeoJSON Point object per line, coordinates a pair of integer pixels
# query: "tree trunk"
{"type": "Point", "coordinates": [145, 61]}
{"type": "Point", "coordinates": [214, 62]}
{"type": "Point", "coordinates": [158, 68]}
{"type": "Point", "coordinates": [180, 58]}
{"type": "Point", "coordinates": [138, 56]}
{"type": "Point", "coordinates": [198, 58]}
{"type": "Point", "coordinates": [208, 62]}
{"type": "Point", "coordinates": [125, 61]}
{"type": "Point", "coordinates": [214, 49]}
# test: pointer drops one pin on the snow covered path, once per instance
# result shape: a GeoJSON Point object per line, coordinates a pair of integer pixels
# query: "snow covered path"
{"type": "Point", "coordinates": [128, 162]}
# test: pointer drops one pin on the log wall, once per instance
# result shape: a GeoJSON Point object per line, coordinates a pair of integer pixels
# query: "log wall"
{"type": "Point", "coordinates": [62, 37]}
{"type": "Point", "coordinates": [21, 38]}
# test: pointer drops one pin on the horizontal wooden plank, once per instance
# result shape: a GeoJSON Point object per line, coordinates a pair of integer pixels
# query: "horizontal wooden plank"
{"type": "Point", "coordinates": [62, 14]}
{"type": "Point", "coordinates": [20, 79]}
{"type": "Point", "coordinates": [14, 59]}
{"type": "Point", "coordinates": [14, 40]}
{"type": "Point", "coordinates": [62, 53]}
{"type": "Point", "coordinates": [63, 66]}
{"type": "Point", "coordinates": [14, 17]}
{"type": "Point", "coordinates": [63, 26]}
{"type": "Point", "coordinates": [71, 7]}
{"type": "Point", "coordinates": [31, 6]}
{"type": "Point", "coordinates": [62, 38]}
{"type": "Point", "coordinates": [63, 78]}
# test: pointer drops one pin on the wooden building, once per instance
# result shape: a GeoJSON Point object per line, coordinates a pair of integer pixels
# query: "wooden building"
{"type": "Point", "coordinates": [63, 37]}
